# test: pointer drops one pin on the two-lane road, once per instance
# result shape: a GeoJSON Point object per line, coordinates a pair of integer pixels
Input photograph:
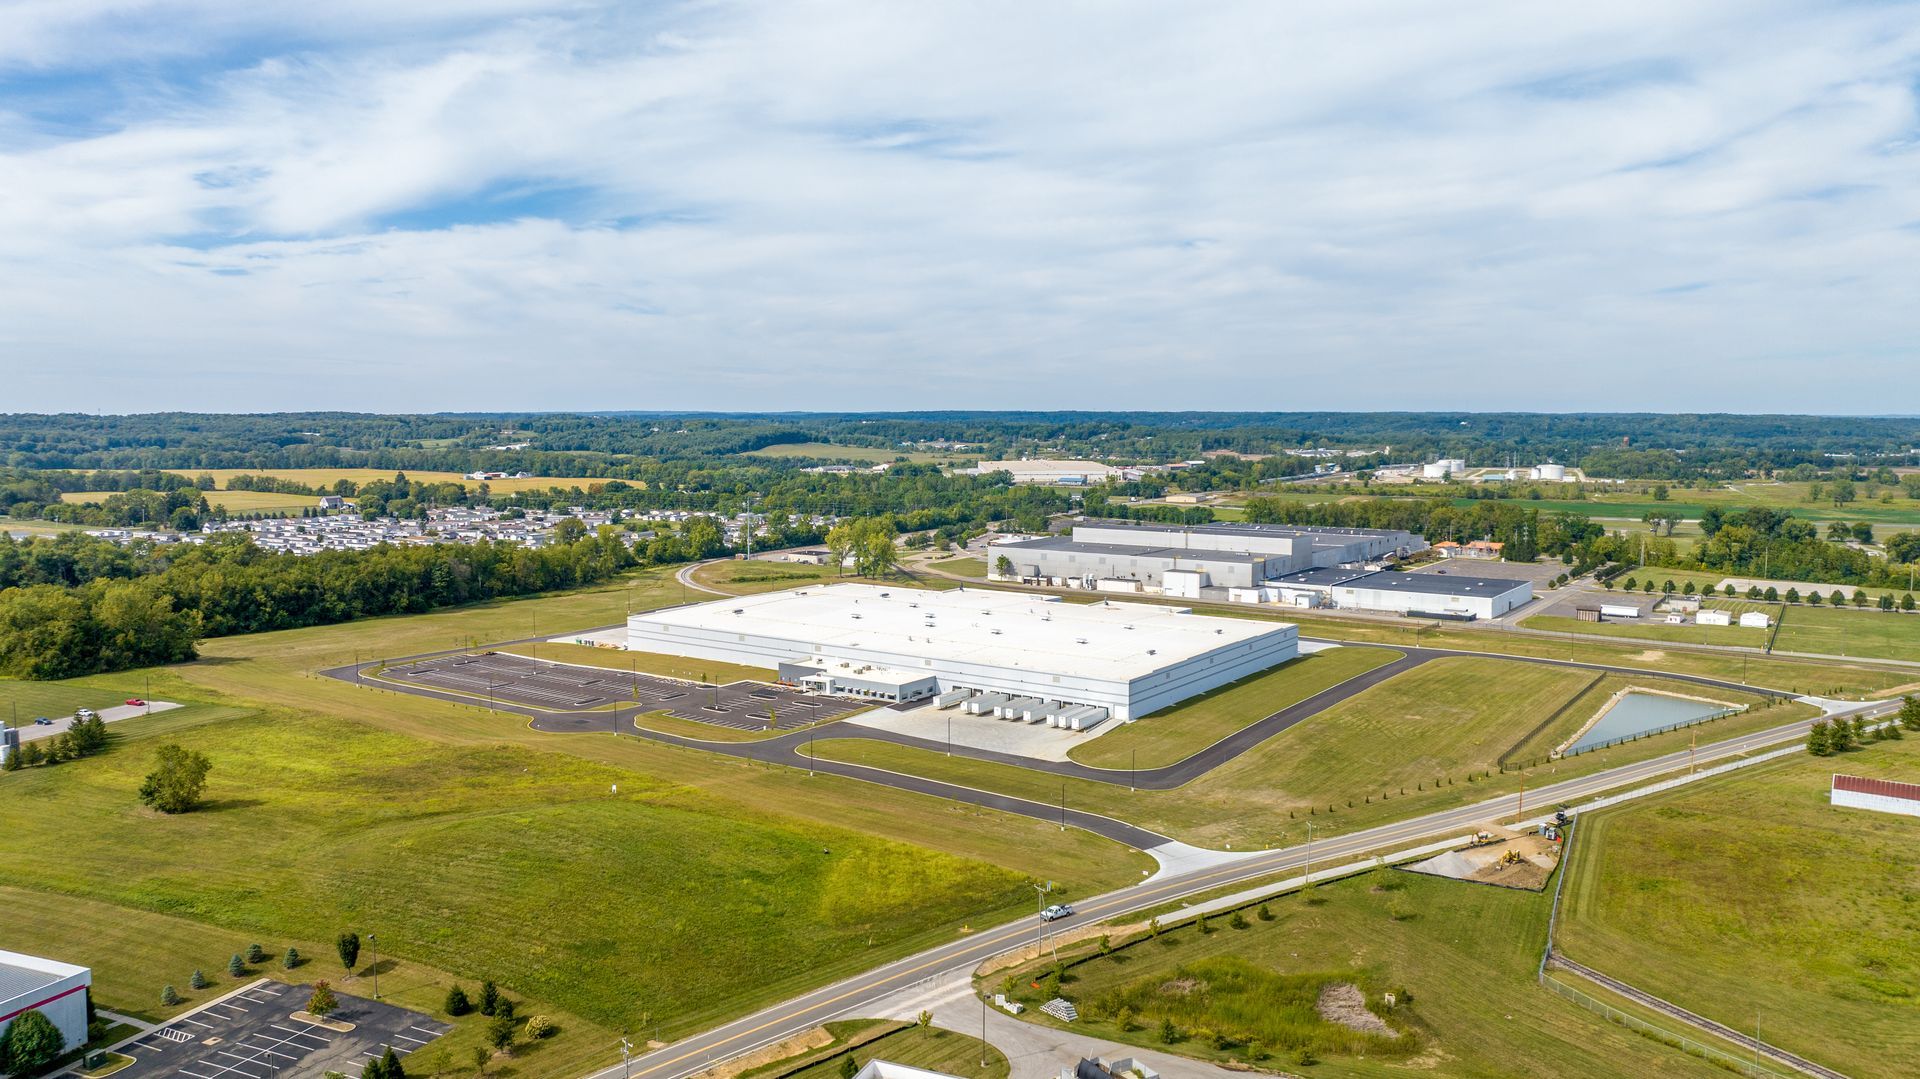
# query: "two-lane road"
{"type": "Point", "coordinates": [849, 997]}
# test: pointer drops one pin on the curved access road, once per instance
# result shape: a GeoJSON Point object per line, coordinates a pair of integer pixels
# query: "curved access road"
{"type": "Point", "coordinates": [958, 957]}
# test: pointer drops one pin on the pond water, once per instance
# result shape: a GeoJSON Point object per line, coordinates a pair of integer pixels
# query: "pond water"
{"type": "Point", "coordinates": [1638, 713]}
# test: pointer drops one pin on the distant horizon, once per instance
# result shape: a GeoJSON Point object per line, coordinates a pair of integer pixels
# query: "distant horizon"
{"type": "Point", "coordinates": [433, 208]}
{"type": "Point", "coordinates": [910, 412]}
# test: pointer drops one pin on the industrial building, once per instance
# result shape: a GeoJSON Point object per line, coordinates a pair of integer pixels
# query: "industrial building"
{"type": "Point", "coordinates": [1445, 595]}
{"type": "Point", "coordinates": [1040, 657]}
{"type": "Point", "coordinates": [1224, 555]}
{"type": "Point", "coordinates": [56, 990]}
{"type": "Point", "coordinates": [1057, 473]}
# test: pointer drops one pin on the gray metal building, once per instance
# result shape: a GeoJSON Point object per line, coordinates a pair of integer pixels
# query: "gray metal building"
{"type": "Point", "coordinates": [1230, 555]}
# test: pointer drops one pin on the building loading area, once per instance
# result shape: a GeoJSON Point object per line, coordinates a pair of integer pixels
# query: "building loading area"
{"type": "Point", "coordinates": [975, 651]}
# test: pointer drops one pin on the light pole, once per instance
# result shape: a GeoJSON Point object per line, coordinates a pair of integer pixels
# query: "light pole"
{"type": "Point", "coordinates": [1309, 854]}
{"type": "Point", "coordinates": [626, 1058]}
{"type": "Point", "coordinates": [373, 945]}
{"type": "Point", "coordinates": [1040, 910]}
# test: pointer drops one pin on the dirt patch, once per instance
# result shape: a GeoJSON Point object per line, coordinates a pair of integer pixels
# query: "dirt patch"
{"type": "Point", "coordinates": [800, 1043]}
{"type": "Point", "coordinates": [1345, 1004]}
{"type": "Point", "coordinates": [1651, 656]}
{"type": "Point", "coordinates": [1030, 952]}
{"type": "Point", "coordinates": [1180, 987]}
{"type": "Point", "coordinates": [1521, 862]}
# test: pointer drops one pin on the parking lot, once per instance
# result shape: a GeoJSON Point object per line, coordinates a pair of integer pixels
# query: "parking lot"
{"type": "Point", "coordinates": [562, 687]}
{"type": "Point", "coordinates": [251, 1035]}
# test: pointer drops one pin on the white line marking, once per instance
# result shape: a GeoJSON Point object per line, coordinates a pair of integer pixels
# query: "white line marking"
{"type": "Point", "coordinates": [416, 1041]}
{"type": "Point", "coordinates": [198, 1023]}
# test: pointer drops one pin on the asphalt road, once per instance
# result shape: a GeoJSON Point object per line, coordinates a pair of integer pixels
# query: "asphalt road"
{"type": "Point", "coordinates": [849, 997]}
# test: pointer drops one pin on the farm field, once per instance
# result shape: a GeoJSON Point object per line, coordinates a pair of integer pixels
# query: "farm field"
{"type": "Point", "coordinates": [326, 477]}
{"type": "Point", "coordinates": [1192, 725]}
{"type": "Point", "coordinates": [1463, 954]}
{"type": "Point", "coordinates": [1424, 732]}
{"type": "Point", "coordinates": [1751, 898]}
{"type": "Point", "coordinates": [827, 451]}
{"type": "Point", "coordinates": [1871, 633]}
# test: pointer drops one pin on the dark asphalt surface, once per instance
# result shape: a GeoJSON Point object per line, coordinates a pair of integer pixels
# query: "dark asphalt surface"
{"type": "Point", "coordinates": [788, 750]}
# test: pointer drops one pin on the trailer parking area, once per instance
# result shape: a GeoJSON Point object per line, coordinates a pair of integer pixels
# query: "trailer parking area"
{"type": "Point", "coordinates": [251, 1034]}
{"type": "Point", "coordinates": [519, 680]}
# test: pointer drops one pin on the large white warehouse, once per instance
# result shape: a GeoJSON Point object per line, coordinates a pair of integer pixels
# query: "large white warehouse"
{"type": "Point", "coordinates": [906, 643]}
{"type": "Point", "coordinates": [54, 989]}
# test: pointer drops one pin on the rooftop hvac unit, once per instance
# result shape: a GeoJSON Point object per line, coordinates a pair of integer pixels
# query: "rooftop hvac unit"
{"type": "Point", "coordinates": [995, 632]}
{"type": "Point", "coordinates": [1080, 640]}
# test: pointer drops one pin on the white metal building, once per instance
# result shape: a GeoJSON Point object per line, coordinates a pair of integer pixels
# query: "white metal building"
{"type": "Point", "coordinates": [57, 990]}
{"type": "Point", "coordinates": [1450, 595]}
{"type": "Point", "coordinates": [1880, 795]}
{"type": "Point", "coordinates": [1128, 658]}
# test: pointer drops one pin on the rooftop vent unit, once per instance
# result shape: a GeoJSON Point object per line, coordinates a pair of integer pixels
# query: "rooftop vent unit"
{"type": "Point", "coordinates": [1080, 640]}
{"type": "Point", "coordinates": [995, 632]}
{"type": "Point", "coordinates": [739, 610]}
{"type": "Point", "coordinates": [856, 614]}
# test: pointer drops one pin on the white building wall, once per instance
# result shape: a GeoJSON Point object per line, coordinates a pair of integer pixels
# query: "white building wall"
{"type": "Point", "coordinates": [63, 1001]}
{"type": "Point", "coordinates": [1879, 803]}
{"type": "Point", "coordinates": [1125, 700]}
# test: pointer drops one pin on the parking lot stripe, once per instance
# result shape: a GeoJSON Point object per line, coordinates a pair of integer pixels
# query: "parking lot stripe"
{"type": "Point", "coordinates": [198, 1023]}
{"type": "Point", "coordinates": [416, 1041]}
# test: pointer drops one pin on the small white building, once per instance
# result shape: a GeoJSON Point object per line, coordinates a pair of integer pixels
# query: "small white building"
{"type": "Point", "coordinates": [54, 989]}
{"type": "Point", "coordinates": [1879, 795]}
{"type": "Point", "coordinates": [1710, 617]}
{"type": "Point", "coordinates": [1756, 620]}
{"type": "Point", "coordinates": [887, 1069]}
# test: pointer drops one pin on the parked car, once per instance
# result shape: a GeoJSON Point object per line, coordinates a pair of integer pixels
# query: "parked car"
{"type": "Point", "coordinates": [135, 702]}
{"type": "Point", "coordinates": [42, 721]}
{"type": "Point", "coordinates": [1055, 912]}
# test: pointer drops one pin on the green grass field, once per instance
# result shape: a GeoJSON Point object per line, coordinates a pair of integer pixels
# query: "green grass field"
{"type": "Point", "coordinates": [695, 670]}
{"type": "Point", "coordinates": [1444, 721]}
{"type": "Point", "coordinates": [1750, 898]}
{"type": "Point", "coordinates": [1192, 725]}
{"type": "Point", "coordinates": [1870, 633]}
{"type": "Point", "coordinates": [1652, 628]}
{"type": "Point", "coordinates": [451, 852]}
{"type": "Point", "coordinates": [1464, 955]}
{"type": "Point", "coordinates": [21, 702]}
{"type": "Point", "coordinates": [450, 831]}
{"type": "Point", "coordinates": [964, 566]}
{"type": "Point", "coordinates": [746, 576]}
{"type": "Point", "coordinates": [326, 477]}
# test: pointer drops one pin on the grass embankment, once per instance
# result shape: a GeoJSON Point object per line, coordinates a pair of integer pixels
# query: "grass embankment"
{"type": "Point", "coordinates": [711, 671]}
{"type": "Point", "coordinates": [1464, 954]}
{"type": "Point", "coordinates": [945, 1051]}
{"type": "Point", "coordinates": [1445, 721]}
{"type": "Point", "coordinates": [1752, 897]}
{"type": "Point", "coordinates": [1192, 725]}
{"type": "Point", "coordinates": [1765, 712]}
{"type": "Point", "coordinates": [471, 843]}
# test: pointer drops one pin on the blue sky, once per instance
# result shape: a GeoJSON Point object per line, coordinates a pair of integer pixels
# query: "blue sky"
{"type": "Point", "coordinates": [478, 204]}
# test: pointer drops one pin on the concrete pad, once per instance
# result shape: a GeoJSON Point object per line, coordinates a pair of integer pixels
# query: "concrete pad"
{"type": "Point", "coordinates": [1176, 857]}
{"type": "Point", "coordinates": [1035, 740]}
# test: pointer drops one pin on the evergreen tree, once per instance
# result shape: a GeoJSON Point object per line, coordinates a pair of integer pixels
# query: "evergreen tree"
{"type": "Point", "coordinates": [32, 1042]}
{"type": "Point", "coordinates": [291, 959]}
{"type": "Point", "coordinates": [256, 954]}
{"type": "Point", "coordinates": [457, 1002]}
{"type": "Point", "coordinates": [349, 948]}
{"type": "Point", "coordinates": [169, 996]}
{"type": "Point", "coordinates": [489, 998]}
{"type": "Point", "coordinates": [198, 981]}
{"type": "Point", "coordinates": [235, 968]}
{"type": "Point", "coordinates": [390, 1065]}
{"type": "Point", "coordinates": [1819, 740]}
{"type": "Point", "coordinates": [1910, 713]}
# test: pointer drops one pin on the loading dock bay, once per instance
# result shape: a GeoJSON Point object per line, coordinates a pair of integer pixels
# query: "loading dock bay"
{"type": "Point", "coordinates": [520, 680]}
{"type": "Point", "coordinates": [250, 1034]}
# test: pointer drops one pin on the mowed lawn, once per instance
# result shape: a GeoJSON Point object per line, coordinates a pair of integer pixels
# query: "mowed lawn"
{"type": "Point", "coordinates": [1653, 628]}
{"type": "Point", "coordinates": [1751, 898]}
{"type": "Point", "coordinates": [1464, 954]}
{"type": "Point", "coordinates": [22, 702]}
{"type": "Point", "coordinates": [1345, 768]}
{"type": "Point", "coordinates": [1868, 633]}
{"type": "Point", "coordinates": [494, 861]}
{"type": "Point", "coordinates": [1192, 725]}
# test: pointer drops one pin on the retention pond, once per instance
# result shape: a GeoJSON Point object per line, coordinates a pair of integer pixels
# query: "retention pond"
{"type": "Point", "coordinates": [1637, 713]}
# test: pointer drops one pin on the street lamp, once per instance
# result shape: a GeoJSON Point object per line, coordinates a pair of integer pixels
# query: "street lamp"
{"type": "Point", "coordinates": [373, 945]}
{"type": "Point", "coordinates": [626, 1058]}
{"type": "Point", "coordinates": [1309, 854]}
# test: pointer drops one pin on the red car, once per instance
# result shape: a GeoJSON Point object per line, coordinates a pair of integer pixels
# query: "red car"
{"type": "Point", "coordinates": [135, 702]}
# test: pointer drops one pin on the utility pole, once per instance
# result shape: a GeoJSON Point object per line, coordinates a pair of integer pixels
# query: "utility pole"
{"type": "Point", "coordinates": [983, 1031]}
{"type": "Point", "coordinates": [1063, 805]}
{"type": "Point", "coordinates": [1523, 796]}
{"type": "Point", "coordinates": [1691, 742]}
{"type": "Point", "coordinates": [1309, 854]}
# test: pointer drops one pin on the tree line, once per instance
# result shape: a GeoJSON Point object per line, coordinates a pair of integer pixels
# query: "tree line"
{"type": "Point", "coordinates": [151, 606]}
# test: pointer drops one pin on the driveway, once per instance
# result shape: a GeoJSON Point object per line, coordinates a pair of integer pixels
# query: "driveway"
{"type": "Point", "coordinates": [31, 732]}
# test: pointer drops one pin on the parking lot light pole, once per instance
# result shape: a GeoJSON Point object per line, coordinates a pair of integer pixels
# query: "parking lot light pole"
{"type": "Point", "coordinates": [373, 945]}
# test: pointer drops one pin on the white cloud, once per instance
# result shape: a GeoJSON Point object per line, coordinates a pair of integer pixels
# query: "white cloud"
{"type": "Point", "coordinates": [855, 205]}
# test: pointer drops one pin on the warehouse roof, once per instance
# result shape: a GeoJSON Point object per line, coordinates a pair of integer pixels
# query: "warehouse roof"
{"type": "Point", "coordinates": [1242, 528]}
{"type": "Point", "coordinates": [22, 975]}
{"type": "Point", "coordinates": [1438, 584]}
{"type": "Point", "coordinates": [1104, 640]}
{"type": "Point", "coordinates": [1062, 543]}
{"type": "Point", "coordinates": [1322, 577]}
